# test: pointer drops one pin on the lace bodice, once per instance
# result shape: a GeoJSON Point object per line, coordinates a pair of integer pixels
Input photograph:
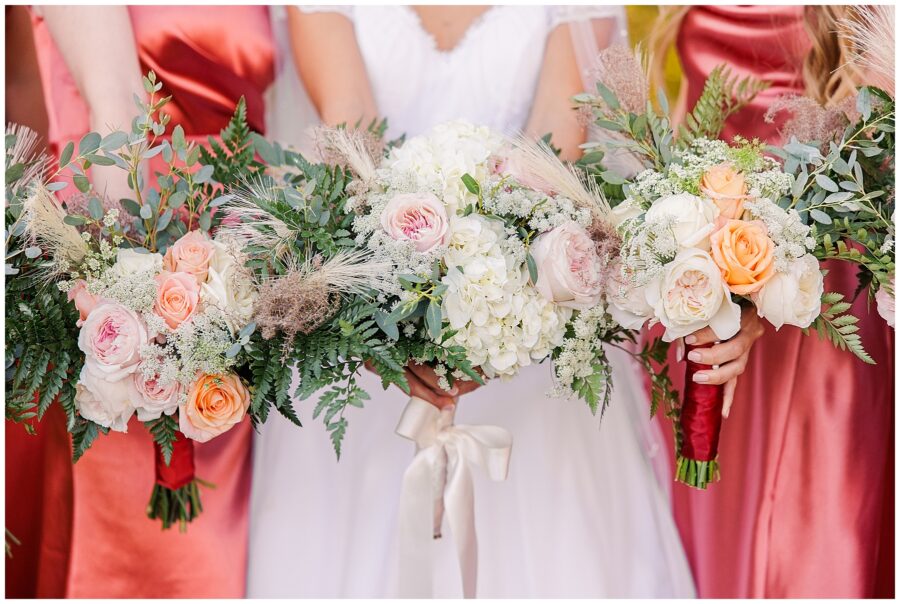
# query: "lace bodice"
{"type": "Point", "coordinates": [489, 77]}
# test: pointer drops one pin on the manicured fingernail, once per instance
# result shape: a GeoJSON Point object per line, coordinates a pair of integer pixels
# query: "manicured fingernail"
{"type": "Point", "coordinates": [725, 412]}
{"type": "Point", "coordinates": [701, 377]}
{"type": "Point", "coordinates": [450, 408]}
{"type": "Point", "coordinates": [453, 390]}
{"type": "Point", "coordinates": [695, 356]}
{"type": "Point", "coordinates": [679, 351]}
{"type": "Point", "coordinates": [690, 339]}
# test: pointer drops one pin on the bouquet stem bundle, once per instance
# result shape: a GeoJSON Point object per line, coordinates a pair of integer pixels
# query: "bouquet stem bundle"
{"type": "Point", "coordinates": [700, 423]}
{"type": "Point", "coordinates": [176, 494]}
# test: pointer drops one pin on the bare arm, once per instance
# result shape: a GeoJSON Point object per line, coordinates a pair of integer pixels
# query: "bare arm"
{"type": "Point", "coordinates": [559, 82]}
{"type": "Point", "coordinates": [97, 43]}
{"type": "Point", "coordinates": [331, 67]}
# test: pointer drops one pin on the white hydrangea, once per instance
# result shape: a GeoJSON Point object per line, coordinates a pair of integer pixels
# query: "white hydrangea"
{"type": "Point", "coordinates": [501, 320]}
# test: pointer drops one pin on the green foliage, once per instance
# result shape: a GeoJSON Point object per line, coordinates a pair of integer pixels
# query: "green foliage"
{"type": "Point", "coordinates": [164, 431]}
{"type": "Point", "coordinates": [838, 327]}
{"type": "Point", "coordinates": [723, 95]}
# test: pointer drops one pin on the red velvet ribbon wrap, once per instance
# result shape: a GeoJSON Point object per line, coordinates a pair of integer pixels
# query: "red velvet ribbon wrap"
{"type": "Point", "coordinates": [701, 413]}
{"type": "Point", "coordinates": [180, 470]}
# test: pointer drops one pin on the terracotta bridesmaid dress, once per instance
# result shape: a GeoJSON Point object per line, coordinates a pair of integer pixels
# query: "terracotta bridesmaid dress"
{"type": "Point", "coordinates": [805, 506]}
{"type": "Point", "coordinates": [96, 538]}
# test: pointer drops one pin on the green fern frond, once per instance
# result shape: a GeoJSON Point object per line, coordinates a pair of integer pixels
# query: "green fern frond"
{"type": "Point", "coordinates": [723, 95]}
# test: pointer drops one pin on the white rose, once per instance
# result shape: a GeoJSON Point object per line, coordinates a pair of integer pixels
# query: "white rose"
{"type": "Point", "coordinates": [129, 262]}
{"type": "Point", "coordinates": [694, 218]}
{"type": "Point", "coordinates": [626, 210]}
{"type": "Point", "coordinates": [627, 303]}
{"type": "Point", "coordinates": [884, 300]}
{"type": "Point", "coordinates": [229, 287]}
{"type": "Point", "coordinates": [110, 404]}
{"type": "Point", "coordinates": [691, 295]}
{"type": "Point", "coordinates": [793, 297]}
{"type": "Point", "coordinates": [568, 267]}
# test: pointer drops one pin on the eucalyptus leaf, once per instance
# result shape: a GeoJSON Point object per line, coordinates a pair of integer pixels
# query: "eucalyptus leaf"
{"type": "Point", "coordinates": [146, 212]}
{"type": "Point", "coordinates": [57, 186]}
{"type": "Point", "coordinates": [233, 350]}
{"type": "Point", "coordinates": [203, 174]}
{"type": "Point", "coordinates": [32, 252]}
{"type": "Point", "coordinates": [389, 328]}
{"type": "Point", "coordinates": [114, 140]}
{"type": "Point", "coordinates": [66, 156]}
{"type": "Point", "coordinates": [433, 319]}
{"type": "Point", "coordinates": [205, 221]}
{"type": "Point", "coordinates": [89, 143]}
{"type": "Point", "coordinates": [164, 220]}
{"type": "Point", "coordinates": [826, 183]}
{"type": "Point", "coordinates": [81, 183]}
{"type": "Point", "coordinates": [532, 267]}
{"type": "Point", "coordinates": [95, 208]}
{"type": "Point", "coordinates": [820, 216]}
{"type": "Point", "coordinates": [177, 199]}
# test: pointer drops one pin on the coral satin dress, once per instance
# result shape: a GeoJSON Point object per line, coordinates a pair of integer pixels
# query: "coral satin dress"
{"type": "Point", "coordinates": [805, 504]}
{"type": "Point", "coordinates": [96, 538]}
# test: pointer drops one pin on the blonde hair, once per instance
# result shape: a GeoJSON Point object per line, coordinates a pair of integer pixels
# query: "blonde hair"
{"type": "Point", "coordinates": [829, 73]}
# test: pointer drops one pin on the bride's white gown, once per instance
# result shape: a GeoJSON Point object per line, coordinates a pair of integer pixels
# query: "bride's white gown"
{"type": "Point", "coordinates": [582, 513]}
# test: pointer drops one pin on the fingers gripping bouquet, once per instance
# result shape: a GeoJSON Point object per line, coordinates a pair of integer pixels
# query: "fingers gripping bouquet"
{"type": "Point", "coordinates": [709, 227]}
{"type": "Point", "coordinates": [132, 308]}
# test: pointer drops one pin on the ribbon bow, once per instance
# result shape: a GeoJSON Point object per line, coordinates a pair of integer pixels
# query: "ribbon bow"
{"type": "Point", "coordinates": [438, 479]}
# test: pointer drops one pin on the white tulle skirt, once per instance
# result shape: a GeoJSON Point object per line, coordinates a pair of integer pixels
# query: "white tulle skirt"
{"type": "Point", "coordinates": [582, 514]}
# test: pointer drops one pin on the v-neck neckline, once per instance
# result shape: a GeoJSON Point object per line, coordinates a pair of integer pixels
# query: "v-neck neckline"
{"type": "Point", "coordinates": [476, 24]}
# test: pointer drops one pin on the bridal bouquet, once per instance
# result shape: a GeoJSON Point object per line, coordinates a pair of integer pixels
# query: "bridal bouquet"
{"type": "Point", "coordinates": [708, 227]}
{"type": "Point", "coordinates": [130, 308]}
{"type": "Point", "coordinates": [458, 248]}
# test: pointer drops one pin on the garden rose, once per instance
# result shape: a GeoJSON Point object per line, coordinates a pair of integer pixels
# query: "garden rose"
{"type": "Point", "coordinates": [626, 210]}
{"type": "Point", "coordinates": [693, 218]}
{"type": "Point", "coordinates": [214, 405]}
{"type": "Point", "coordinates": [84, 300]}
{"type": "Point", "coordinates": [568, 267]}
{"type": "Point", "coordinates": [726, 187]}
{"type": "Point", "coordinates": [229, 287]}
{"type": "Point", "coordinates": [111, 339]}
{"type": "Point", "coordinates": [793, 297]}
{"type": "Point", "coordinates": [627, 304]}
{"type": "Point", "coordinates": [129, 262]}
{"type": "Point", "coordinates": [154, 399]}
{"type": "Point", "coordinates": [190, 254]}
{"type": "Point", "coordinates": [745, 253]}
{"type": "Point", "coordinates": [108, 403]}
{"type": "Point", "coordinates": [417, 217]}
{"type": "Point", "coordinates": [691, 295]}
{"type": "Point", "coordinates": [177, 298]}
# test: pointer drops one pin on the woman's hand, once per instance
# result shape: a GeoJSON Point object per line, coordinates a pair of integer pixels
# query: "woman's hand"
{"type": "Point", "coordinates": [730, 356]}
{"type": "Point", "coordinates": [423, 383]}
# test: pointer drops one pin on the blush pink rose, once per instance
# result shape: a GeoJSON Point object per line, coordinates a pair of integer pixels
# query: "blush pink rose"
{"type": "Point", "coordinates": [190, 254]}
{"type": "Point", "coordinates": [177, 298]}
{"type": "Point", "coordinates": [84, 300]}
{"type": "Point", "coordinates": [111, 339]}
{"type": "Point", "coordinates": [154, 399]}
{"type": "Point", "coordinates": [568, 267]}
{"type": "Point", "coordinates": [417, 217]}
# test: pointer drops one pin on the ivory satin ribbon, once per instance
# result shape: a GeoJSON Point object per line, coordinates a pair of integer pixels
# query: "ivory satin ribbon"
{"type": "Point", "coordinates": [439, 482]}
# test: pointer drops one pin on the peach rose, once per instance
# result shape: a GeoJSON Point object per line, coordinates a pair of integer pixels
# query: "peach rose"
{"type": "Point", "coordinates": [177, 297]}
{"type": "Point", "coordinates": [726, 188]}
{"type": "Point", "coordinates": [214, 405]}
{"type": "Point", "coordinates": [744, 253]}
{"type": "Point", "coordinates": [190, 254]}
{"type": "Point", "coordinates": [417, 217]}
{"type": "Point", "coordinates": [84, 300]}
